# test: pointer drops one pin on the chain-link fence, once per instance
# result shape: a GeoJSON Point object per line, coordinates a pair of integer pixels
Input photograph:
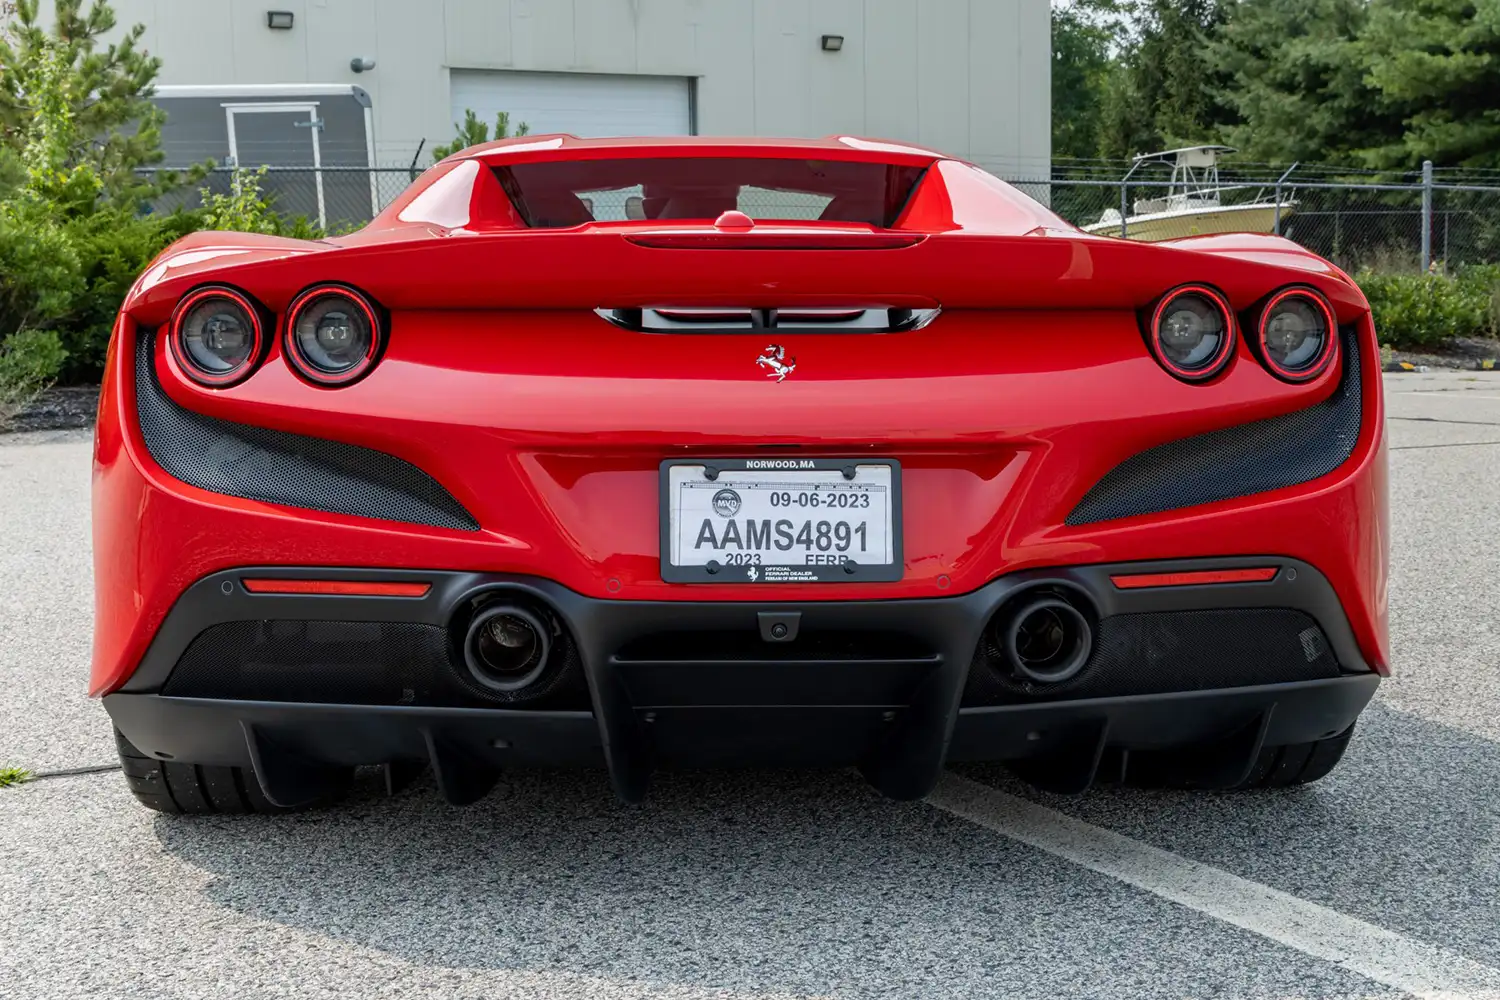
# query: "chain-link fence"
{"type": "Point", "coordinates": [336, 199]}
{"type": "Point", "coordinates": [1400, 222]}
{"type": "Point", "coordinates": [1387, 222]}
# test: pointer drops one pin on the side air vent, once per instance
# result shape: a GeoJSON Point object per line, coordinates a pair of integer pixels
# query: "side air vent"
{"type": "Point", "coordinates": [258, 463]}
{"type": "Point", "coordinates": [1237, 461]}
{"type": "Point", "coordinates": [674, 319]}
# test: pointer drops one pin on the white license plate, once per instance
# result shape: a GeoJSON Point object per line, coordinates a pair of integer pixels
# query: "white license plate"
{"type": "Point", "coordinates": [781, 520]}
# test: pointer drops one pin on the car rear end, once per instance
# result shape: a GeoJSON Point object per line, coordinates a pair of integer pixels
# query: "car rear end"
{"type": "Point", "coordinates": [915, 481]}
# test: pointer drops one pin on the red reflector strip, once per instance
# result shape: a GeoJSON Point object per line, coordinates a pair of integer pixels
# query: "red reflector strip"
{"type": "Point", "coordinates": [344, 588]}
{"type": "Point", "coordinates": [1196, 578]}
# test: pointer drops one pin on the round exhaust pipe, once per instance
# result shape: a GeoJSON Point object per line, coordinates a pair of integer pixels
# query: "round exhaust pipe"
{"type": "Point", "coordinates": [507, 647]}
{"type": "Point", "coordinates": [1046, 638]}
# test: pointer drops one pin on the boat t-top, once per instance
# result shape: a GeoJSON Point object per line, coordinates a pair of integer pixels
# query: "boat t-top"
{"type": "Point", "coordinates": [1193, 204]}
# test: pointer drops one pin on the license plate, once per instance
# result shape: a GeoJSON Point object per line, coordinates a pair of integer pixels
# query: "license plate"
{"type": "Point", "coordinates": [780, 520]}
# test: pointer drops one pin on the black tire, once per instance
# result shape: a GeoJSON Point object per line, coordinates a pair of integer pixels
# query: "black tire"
{"type": "Point", "coordinates": [191, 789]}
{"type": "Point", "coordinates": [1275, 767]}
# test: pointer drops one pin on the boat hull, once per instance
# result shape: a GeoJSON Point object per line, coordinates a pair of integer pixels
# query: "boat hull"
{"type": "Point", "coordinates": [1204, 222]}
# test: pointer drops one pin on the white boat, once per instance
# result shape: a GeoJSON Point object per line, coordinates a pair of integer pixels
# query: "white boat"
{"type": "Point", "coordinates": [1193, 205]}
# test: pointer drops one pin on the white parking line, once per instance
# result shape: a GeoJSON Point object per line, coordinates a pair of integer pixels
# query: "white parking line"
{"type": "Point", "coordinates": [1383, 956]}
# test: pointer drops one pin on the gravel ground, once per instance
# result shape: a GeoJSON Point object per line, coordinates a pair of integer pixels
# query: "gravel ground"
{"type": "Point", "coordinates": [62, 408]}
{"type": "Point", "coordinates": [758, 884]}
{"type": "Point", "coordinates": [1468, 353]}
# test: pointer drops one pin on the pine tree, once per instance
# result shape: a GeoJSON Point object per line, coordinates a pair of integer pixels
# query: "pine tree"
{"type": "Point", "coordinates": [1439, 61]}
{"type": "Point", "coordinates": [474, 132]}
{"type": "Point", "coordinates": [1294, 73]}
{"type": "Point", "coordinates": [94, 99]}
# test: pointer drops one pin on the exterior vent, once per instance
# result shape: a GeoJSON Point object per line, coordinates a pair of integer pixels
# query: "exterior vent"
{"type": "Point", "coordinates": [1236, 461]}
{"type": "Point", "coordinates": [674, 319]}
{"type": "Point", "coordinates": [295, 470]}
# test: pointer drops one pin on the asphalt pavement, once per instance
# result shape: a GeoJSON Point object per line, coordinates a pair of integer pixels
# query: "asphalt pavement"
{"type": "Point", "coordinates": [1383, 880]}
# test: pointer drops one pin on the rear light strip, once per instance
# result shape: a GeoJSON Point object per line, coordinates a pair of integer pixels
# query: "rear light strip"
{"type": "Point", "coordinates": [794, 319]}
{"type": "Point", "coordinates": [1138, 581]}
{"type": "Point", "coordinates": [342, 588]}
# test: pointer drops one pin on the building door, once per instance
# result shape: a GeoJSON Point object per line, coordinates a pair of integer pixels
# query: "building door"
{"type": "Point", "coordinates": [585, 104]}
{"type": "Point", "coordinates": [285, 136]}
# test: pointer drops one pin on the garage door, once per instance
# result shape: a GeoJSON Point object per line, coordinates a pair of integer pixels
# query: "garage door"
{"type": "Point", "coordinates": [585, 104]}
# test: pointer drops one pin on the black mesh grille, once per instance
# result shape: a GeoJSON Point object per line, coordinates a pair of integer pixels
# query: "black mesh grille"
{"type": "Point", "coordinates": [1163, 651]}
{"type": "Point", "coordinates": [260, 464]}
{"type": "Point", "coordinates": [352, 663]}
{"type": "Point", "coordinates": [1235, 461]}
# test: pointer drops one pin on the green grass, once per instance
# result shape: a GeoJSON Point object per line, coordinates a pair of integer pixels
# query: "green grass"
{"type": "Point", "coordinates": [14, 776]}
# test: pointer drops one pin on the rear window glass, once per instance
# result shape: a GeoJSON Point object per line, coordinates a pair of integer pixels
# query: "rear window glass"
{"type": "Point", "coordinates": [551, 195]}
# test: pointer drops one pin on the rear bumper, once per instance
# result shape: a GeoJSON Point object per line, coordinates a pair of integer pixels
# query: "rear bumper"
{"type": "Point", "coordinates": [690, 683]}
{"type": "Point", "coordinates": [286, 743]}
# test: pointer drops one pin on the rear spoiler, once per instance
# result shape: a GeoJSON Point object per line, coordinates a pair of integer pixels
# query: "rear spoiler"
{"type": "Point", "coordinates": [565, 269]}
{"type": "Point", "coordinates": [962, 243]}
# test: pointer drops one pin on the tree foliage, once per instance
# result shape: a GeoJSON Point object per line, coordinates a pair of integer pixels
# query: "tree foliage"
{"type": "Point", "coordinates": [76, 110]}
{"type": "Point", "coordinates": [1294, 77]}
{"type": "Point", "coordinates": [474, 132]}
{"type": "Point", "coordinates": [1166, 91]}
{"type": "Point", "coordinates": [76, 123]}
{"type": "Point", "coordinates": [1438, 61]}
{"type": "Point", "coordinates": [1377, 83]}
{"type": "Point", "coordinates": [1084, 35]}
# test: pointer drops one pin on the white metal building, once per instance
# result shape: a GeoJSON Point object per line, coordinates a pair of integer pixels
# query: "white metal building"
{"type": "Point", "coordinates": [970, 77]}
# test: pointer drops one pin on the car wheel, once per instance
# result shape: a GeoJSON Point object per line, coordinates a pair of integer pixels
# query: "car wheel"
{"type": "Point", "coordinates": [192, 789]}
{"type": "Point", "coordinates": [1275, 767]}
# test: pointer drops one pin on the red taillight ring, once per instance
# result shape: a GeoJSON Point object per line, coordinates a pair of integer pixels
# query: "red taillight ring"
{"type": "Point", "coordinates": [1325, 356]}
{"type": "Point", "coordinates": [1221, 357]}
{"type": "Point", "coordinates": [312, 373]}
{"type": "Point", "coordinates": [184, 361]}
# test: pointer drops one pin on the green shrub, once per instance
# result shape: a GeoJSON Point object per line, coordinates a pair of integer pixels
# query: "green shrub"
{"type": "Point", "coordinates": [1483, 281]}
{"type": "Point", "coordinates": [70, 272]}
{"type": "Point", "coordinates": [1426, 310]}
{"type": "Point", "coordinates": [39, 267]}
{"type": "Point", "coordinates": [71, 275]}
{"type": "Point", "coordinates": [248, 209]}
{"type": "Point", "coordinates": [29, 361]}
{"type": "Point", "coordinates": [112, 247]}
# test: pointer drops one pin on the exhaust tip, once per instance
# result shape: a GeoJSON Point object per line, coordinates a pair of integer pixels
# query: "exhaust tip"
{"type": "Point", "coordinates": [1047, 639]}
{"type": "Point", "coordinates": [507, 647]}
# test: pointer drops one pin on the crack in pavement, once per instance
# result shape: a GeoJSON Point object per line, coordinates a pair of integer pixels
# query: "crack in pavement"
{"type": "Point", "coordinates": [71, 772]}
{"type": "Point", "coordinates": [1444, 420]}
{"type": "Point", "coordinates": [1447, 444]}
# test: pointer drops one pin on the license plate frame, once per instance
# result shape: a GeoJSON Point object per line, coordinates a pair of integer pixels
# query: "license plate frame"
{"type": "Point", "coordinates": [783, 573]}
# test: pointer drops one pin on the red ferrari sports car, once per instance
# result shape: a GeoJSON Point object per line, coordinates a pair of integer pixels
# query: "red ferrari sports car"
{"type": "Point", "coordinates": [659, 452]}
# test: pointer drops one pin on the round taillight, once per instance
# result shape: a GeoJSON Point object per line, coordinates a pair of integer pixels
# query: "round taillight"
{"type": "Point", "coordinates": [1295, 335]}
{"type": "Point", "coordinates": [216, 336]}
{"type": "Point", "coordinates": [332, 335]}
{"type": "Point", "coordinates": [1192, 333]}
